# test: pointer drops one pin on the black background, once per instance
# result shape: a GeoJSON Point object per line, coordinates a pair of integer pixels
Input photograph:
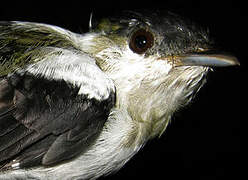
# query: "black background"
{"type": "Point", "coordinates": [204, 139]}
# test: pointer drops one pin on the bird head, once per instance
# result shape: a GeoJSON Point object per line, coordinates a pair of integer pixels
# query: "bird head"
{"type": "Point", "coordinates": [158, 62]}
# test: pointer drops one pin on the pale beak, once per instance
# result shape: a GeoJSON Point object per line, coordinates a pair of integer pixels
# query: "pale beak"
{"type": "Point", "coordinates": [208, 58]}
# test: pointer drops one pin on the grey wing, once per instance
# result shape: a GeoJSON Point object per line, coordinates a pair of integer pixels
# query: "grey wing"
{"type": "Point", "coordinates": [53, 107]}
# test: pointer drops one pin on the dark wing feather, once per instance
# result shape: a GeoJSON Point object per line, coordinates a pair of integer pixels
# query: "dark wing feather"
{"type": "Point", "coordinates": [46, 118]}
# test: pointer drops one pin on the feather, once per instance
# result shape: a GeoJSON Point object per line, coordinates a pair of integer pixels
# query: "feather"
{"type": "Point", "coordinates": [55, 99]}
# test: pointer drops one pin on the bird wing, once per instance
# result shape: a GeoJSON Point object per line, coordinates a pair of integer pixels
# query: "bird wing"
{"type": "Point", "coordinates": [54, 99]}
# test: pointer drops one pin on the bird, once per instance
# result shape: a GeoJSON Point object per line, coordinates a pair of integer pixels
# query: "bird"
{"type": "Point", "coordinates": [81, 105]}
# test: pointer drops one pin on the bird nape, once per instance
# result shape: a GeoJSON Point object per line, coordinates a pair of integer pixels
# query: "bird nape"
{"type": "Point", "coordinates": [79, 106]}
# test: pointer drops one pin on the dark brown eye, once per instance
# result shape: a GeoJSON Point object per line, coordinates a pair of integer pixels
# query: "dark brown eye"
{"type": "Point", "coordinates": [140, 41]}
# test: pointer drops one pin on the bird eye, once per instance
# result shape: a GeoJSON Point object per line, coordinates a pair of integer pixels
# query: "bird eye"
{"type": "Point", "coordinates": [141, 40]}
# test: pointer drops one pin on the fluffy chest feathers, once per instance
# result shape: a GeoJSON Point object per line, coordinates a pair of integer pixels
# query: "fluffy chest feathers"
{"type": "Point", "coordinates": [149, 89]}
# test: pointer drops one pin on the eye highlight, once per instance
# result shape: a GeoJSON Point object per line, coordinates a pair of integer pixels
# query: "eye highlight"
{"type": "Point", "coordinates": [141, 40]}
